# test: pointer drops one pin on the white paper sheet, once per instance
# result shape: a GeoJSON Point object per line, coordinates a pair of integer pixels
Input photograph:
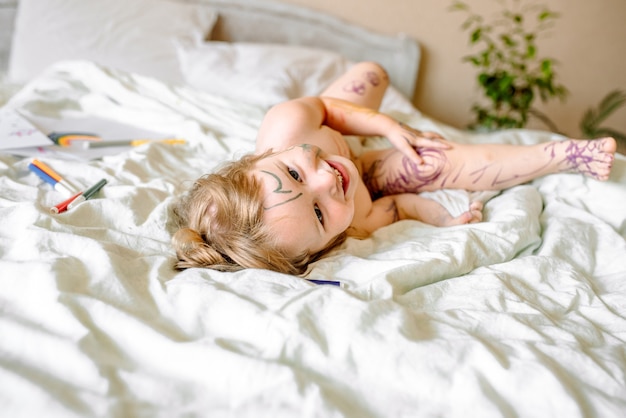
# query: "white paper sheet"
{"type": "Point", "coordinates": [17, 132]}
{"type": "Point", "coordinates": [107, 130]}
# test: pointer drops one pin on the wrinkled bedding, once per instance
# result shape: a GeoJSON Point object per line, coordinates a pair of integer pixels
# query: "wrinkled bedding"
{"type": "Point", "coordinates": [522, 315]}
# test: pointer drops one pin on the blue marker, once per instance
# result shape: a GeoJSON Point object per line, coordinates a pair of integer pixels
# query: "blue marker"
{"type": "Point", "coordinates": [42, 174]}
{"type": "Point", "coordinates": [330, 282]}
{"type": "Point", "coordinates": [46, 174]}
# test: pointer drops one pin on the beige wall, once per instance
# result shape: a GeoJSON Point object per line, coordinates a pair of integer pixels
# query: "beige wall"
{"type": "Point", "coordinates": [589, 42]}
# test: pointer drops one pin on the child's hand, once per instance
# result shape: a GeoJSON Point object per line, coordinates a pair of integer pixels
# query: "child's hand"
{"type": "Point", "coordinates": [473, 215]}
{"type": "Point", "coordinates": [409, 140]}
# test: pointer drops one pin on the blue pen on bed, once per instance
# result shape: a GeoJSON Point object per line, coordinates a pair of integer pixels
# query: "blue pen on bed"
{"type": "Point", "coordinates": [329, 282]}
{"type": "Point", "coordinates": [59, 186]}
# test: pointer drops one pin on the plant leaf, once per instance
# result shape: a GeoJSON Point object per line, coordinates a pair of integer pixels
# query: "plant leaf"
{"type": "Point", "coordinates": [602, 132]}
{"type": "Point", "coordinates": [547, 14]}
{"type": "Point", "coordinates": [589, 124]}
{"type": "Point", "coordinates": [459, 5]}
{"type": "Point", "coordinates": [609, 104]}
{"type": "Point", "coordinates": [476, 35]}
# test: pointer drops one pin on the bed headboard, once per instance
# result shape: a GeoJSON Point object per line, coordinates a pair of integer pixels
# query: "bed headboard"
{"type": "Point", "coordinates": [284, 23]}
{"type": "Point", "coordinates": [267, 21]}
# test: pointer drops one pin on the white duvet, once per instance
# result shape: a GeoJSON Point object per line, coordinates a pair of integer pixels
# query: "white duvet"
{"type": "Point", "coordinates": [522, 315]}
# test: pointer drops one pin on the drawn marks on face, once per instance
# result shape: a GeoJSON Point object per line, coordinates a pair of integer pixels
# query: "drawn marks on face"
{"type": "Point", "coordinates": [307, 148]}
{"type": "Point", "coordinates": [310, 148]}
{"type": "Point", "coordinates": [279, 190]}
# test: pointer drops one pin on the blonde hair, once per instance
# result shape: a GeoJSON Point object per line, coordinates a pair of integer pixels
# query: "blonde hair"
{"type": "Point", "coordinates": [221, 225]}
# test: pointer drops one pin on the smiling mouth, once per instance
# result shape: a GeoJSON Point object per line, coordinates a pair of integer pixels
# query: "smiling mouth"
{"type": "Point", "coordinates": [342, 175]}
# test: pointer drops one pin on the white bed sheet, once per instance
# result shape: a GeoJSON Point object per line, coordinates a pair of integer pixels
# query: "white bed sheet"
{"type": "Point", "coordinates": [521, 315]}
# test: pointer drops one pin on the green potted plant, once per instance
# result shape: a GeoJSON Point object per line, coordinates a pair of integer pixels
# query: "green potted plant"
{"type": "Point", "coordinates": [511, 73]}
{"type": "Point", "coordinates": [591, 122]}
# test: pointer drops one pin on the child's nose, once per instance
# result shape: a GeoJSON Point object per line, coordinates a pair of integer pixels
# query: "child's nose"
{"type": "Point", "coordinates": [325, 180]}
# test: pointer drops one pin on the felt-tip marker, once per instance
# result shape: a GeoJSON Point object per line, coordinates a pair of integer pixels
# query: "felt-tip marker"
{"type": "Point", "coordinates": [87, 194]}
{"type": "Point", "coordinates": [62, 207]}
{"type": "Point", "coordinates": [85, 140]}
{"type": "Point", "coordinates": [60, 184]}
{"type": "Point", "coordinates": [330, 282]}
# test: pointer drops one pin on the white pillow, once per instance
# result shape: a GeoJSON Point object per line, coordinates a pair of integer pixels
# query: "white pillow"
{"type": "Point", "coordinates": [132, 35]}
{"type": "Point", "coordinates": [267, 74]}
{"type": "Point", "coordinates": [263, 74]}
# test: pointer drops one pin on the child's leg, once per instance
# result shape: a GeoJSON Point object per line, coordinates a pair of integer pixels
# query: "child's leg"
{"type": "Point", "coordinates": [484, 166]}
{"type": "Point", "coordinates": [364, 83]}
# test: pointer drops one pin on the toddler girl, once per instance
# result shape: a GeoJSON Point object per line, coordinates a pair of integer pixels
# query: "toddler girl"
{"type": "Point", "coordinates": [303, 191]}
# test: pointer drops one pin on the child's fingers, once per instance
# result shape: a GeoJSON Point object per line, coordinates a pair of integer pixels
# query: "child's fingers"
{"type": "Point", "coordinates": [410, 140]}
{"type": "Point", "coordinates": [473, 215]}
{"type": "Point", "coordinates": [462, 219]}
{"type": "Point", "coordinates": [405, 145]}
{"type": "Point", "coordinates": [410, 147]}
{"type": "Point", "coordinates": [476, 211]}
{"type": "Point", "coordinates": [431, 135]}
{"type": "Point", "coordinates": [412, 153]}
{"type": "Point", "coordinates": [434, 142]}
{"type": "Point", "coordinates": [415, 135]}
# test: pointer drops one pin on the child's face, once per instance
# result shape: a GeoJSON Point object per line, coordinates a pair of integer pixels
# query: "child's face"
{"type": "Point", "coordinates": [308, 196]}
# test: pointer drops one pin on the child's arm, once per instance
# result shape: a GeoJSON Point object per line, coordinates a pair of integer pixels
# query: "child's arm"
{"type": "Point", "coordinates": [287, 123]}
{"type": "Point", "coordinates": [300, 120]}
{"type": "Point", "coordinates": [390, 209]}
{"type": "Point", "coordinates": [351, 119]}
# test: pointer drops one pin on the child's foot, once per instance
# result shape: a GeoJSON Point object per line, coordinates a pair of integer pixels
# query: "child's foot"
{"type": "Point", "coordinates": [593, 158]}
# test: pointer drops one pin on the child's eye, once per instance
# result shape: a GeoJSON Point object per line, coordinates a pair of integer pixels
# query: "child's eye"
{"type": "Point", "coordinates": [318, 213]}
{"type": "Point", "coordinates": [294, 174]}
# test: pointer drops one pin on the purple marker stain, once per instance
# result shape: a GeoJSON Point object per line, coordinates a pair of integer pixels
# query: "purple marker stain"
{"type": "Point", "coordinates": [23, 132]}
{"type": "Point", "coordinates": [355, 86]}
{"type": "Point", "coordinates": [409, 178]}
{"type": "Point", "coordinates": [478, 174]}
{"type": "Point", "coordinates": [579, 157]}
{"type": "Point", "coordinates": [373, 78]}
